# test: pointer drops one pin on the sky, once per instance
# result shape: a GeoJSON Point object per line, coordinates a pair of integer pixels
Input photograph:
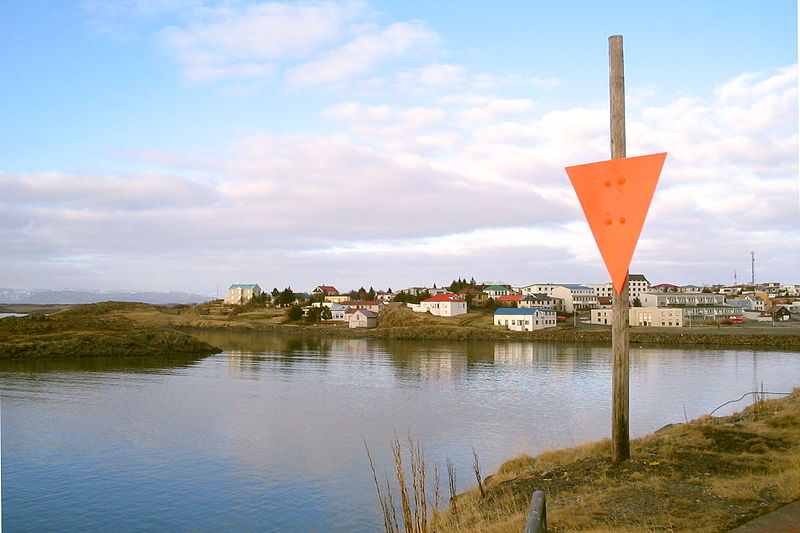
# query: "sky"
{"type": "Point", "coordinates": [190, 144]}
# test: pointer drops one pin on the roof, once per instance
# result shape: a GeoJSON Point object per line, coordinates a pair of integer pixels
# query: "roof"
{"type": "Point", "coordinates": [366, 312]}
{"type": "Point", "coordinates": [327, 288]}
{"type": "Point", "coordinates": [636, 277]}
{"type": "Point", "coordinates": [577, 287]}
{"type": "Point", "coordinates": [496, 288]}
{"type": "Point", "coordinates": [243, 286]}
{"type": "Point", "coordinates": [521, 310]}
{"type": "Point", "coordinates": [445, 298]}
{"type": "Point", "coordinates": [509, 298]}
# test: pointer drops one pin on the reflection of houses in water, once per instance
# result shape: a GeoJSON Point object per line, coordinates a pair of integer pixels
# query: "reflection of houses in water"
{"type": "Point", "coordinates": [515, 353]}
{"type": "Point", "coordinates": [356, 347]}
{"type": "Point", "coordinates": [242, 364]}
{"type": "Point", "coordinates": [438, 366]}
{"type": "Point", "coordinates": [569, 357]}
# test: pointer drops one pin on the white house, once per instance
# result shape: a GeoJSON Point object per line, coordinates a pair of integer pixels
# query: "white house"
{"type": "Point", "coordinates": [525, 319]}
{"type": "Point", "coordinates": [576, 297]}
{"type": "Point", "coordinates": [654, 299]}
{"type": "Point", "coordinates": [637, 285]}
{"type": "Point", "coordinates": [241, 293]}
{"type": "Point", "coordinates": [670, 317]}
{"type": "Point", "coordinates": [443, 305]}
{"type": "Point", "coordinates": [495, 291]}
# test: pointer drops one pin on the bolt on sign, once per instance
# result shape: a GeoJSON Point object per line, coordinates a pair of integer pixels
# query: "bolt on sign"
{"type": "Point", "coordinates": [615, 196]}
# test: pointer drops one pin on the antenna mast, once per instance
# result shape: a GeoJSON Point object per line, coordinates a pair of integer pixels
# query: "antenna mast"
{"type": "Point", "coordinates": [753, 269]}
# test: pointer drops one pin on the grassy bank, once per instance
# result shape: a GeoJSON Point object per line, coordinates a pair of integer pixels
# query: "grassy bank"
{"type": "Point", "coordinates": [708, 475]}
{"type": "Point", "coordinates": [91, 331]}
{"type": "Point", "coordinates": [134, 326]}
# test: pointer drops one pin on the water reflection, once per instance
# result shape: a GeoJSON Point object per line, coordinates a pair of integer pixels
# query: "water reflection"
{"type": "Point", "coordinates": [269, 435]}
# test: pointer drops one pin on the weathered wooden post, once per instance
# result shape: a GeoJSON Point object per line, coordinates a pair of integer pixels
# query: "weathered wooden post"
{"type": "Point", "coordinates": [615, 196]}
{"type": "Point", "coordinates": [620, 341]}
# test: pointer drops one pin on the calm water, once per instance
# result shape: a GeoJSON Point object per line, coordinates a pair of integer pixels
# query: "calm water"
{"type": "Point", "coordinates": [269, 436]}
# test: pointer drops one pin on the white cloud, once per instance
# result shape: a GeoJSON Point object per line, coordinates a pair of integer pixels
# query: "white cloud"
{"type": "Point", "coordinates": [248, 41]}
{"type": "Point", "coordinates": [362, 54]}
{"type": "Point", "coordinates": [436, 184]}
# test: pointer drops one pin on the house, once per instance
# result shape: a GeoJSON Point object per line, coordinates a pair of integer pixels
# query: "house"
{"type": "Point", "coordinates": [362, 318]}
{"type": "Point", "coordinates": [781, 313]}
{"type": "Point", "coordinates": [576, 297]}
{"type": "Point", "coordinates": [473, 296]}
{"type": "Point", "coordinates": [386, 297]}
{"type": "Point", "coordinates": [637, 284]}
{"type": "Point", "coordinates": [324, 290]}
{"type": "Point", "coordinates": [544, 301]}
{"type": "Point", "coordinates": [337, 312]}
{"type": "Point", "coordinates": [525, 319]}
{"type": "Point", "coordinates": [664, 287]}
{"type": "Point", "coordinates": [605, 302]}
{"type": "Point", "coordinates": [511, 300]}
{"type": "Point", "coordinates": [687, 299]}
{"type": "Point", "coordinates": [337, 298]}
{"type": "Point", "coordinates": [442, 305]}
{"type": "Point", "coordinates": [541, 288]}
{"type": "Point", "coordinates": [669, 317]}
{"type": "Point", "coordinates": [372, 305]}
{"type": "Point", "coordinates": [495, 291]}
{"type": "Point", "coordinates": [748, 302]}
{"type": "Point", "coordinates": [241, 293]}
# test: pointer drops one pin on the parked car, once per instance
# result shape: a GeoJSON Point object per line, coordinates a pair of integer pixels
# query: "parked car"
{"type": "Point", "coordinates": [736, 319]}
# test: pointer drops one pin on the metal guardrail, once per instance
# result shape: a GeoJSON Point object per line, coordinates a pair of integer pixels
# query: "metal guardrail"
{"type": "Point", "coordinates": [537, 514]}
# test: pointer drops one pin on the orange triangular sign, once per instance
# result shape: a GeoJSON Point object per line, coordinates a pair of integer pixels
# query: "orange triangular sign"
{"type": "Point", "coordinates": [615, 196]}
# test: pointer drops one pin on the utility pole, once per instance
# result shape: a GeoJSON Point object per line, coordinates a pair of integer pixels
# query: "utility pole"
{"type": "Point", "coordinates": [620, 342]}
{"type": "Point", "coordinates": [753, 269]}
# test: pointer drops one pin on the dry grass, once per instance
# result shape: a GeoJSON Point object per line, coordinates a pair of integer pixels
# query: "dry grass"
{"type": "Point", "coordinates": [708, 475]}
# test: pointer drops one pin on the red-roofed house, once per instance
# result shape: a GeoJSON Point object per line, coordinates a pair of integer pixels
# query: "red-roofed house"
{"type": "Point", "coordinates": [443, 305]}
{"type": "Point", "coordinates": [325, 290]}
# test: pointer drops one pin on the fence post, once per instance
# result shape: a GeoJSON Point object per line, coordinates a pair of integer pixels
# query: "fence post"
{"type": "Point", "coordinates": [537, 514]}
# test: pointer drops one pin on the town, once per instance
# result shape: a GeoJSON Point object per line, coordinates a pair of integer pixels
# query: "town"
{"type": "Point", "coordinates": [537, 306]}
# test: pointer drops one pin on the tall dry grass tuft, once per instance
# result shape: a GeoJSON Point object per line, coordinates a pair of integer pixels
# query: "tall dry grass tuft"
{"type": "Point", "coordinates": [386, 502]}
{"type": "Point", "coordinates": [411, 478]}
{"type": "Point", "coordinates": [399, 471]}
{"type": "Point", "coordinates": [476, 467]}
{"type": "Point", "coordinates": [451, 482]}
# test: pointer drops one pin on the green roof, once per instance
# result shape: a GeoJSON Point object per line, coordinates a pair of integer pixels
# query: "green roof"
{"type": "Point", "coordinates": [496, 288]}
{"type": "Point", "coordinates": [243, 286]}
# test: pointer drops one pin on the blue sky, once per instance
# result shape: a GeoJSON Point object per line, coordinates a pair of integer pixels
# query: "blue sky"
{"type": "Point", "coordinates": [185, 144]}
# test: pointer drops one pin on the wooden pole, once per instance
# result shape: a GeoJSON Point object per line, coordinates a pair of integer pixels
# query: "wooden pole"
{"type": "Point", "coordinates": [620, 343]}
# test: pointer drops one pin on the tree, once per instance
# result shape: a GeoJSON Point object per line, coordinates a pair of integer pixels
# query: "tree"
{"type": "Point", "coordinates": [637, 302]}
{"type": "Point", "coordinates": [326, 313]}
{"type": "Point", "coordinates": [285, 297]}
{"type": "Point", "coordinates": [294, 313]}
{"type": "Point", "coordinates": [314, 314]}
{"type": "Point", "coordinates": [371, 294]}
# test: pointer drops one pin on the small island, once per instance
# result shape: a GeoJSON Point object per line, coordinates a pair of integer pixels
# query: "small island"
{"type": "Point", "coordinates": [94, 330]}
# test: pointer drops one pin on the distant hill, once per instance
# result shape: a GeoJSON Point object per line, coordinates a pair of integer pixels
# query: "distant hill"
{"type": "Point", "coordinates": [70, 296]}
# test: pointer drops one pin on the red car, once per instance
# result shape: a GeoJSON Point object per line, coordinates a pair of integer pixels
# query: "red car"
{"type": "Point", "coordinates": [736, 319]}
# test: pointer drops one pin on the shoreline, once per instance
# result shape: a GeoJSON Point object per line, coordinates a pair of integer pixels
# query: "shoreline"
{"type": "Point", "coordinates": [706, 475]}
{"type": "Point", "coordinates": [702, 338]}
